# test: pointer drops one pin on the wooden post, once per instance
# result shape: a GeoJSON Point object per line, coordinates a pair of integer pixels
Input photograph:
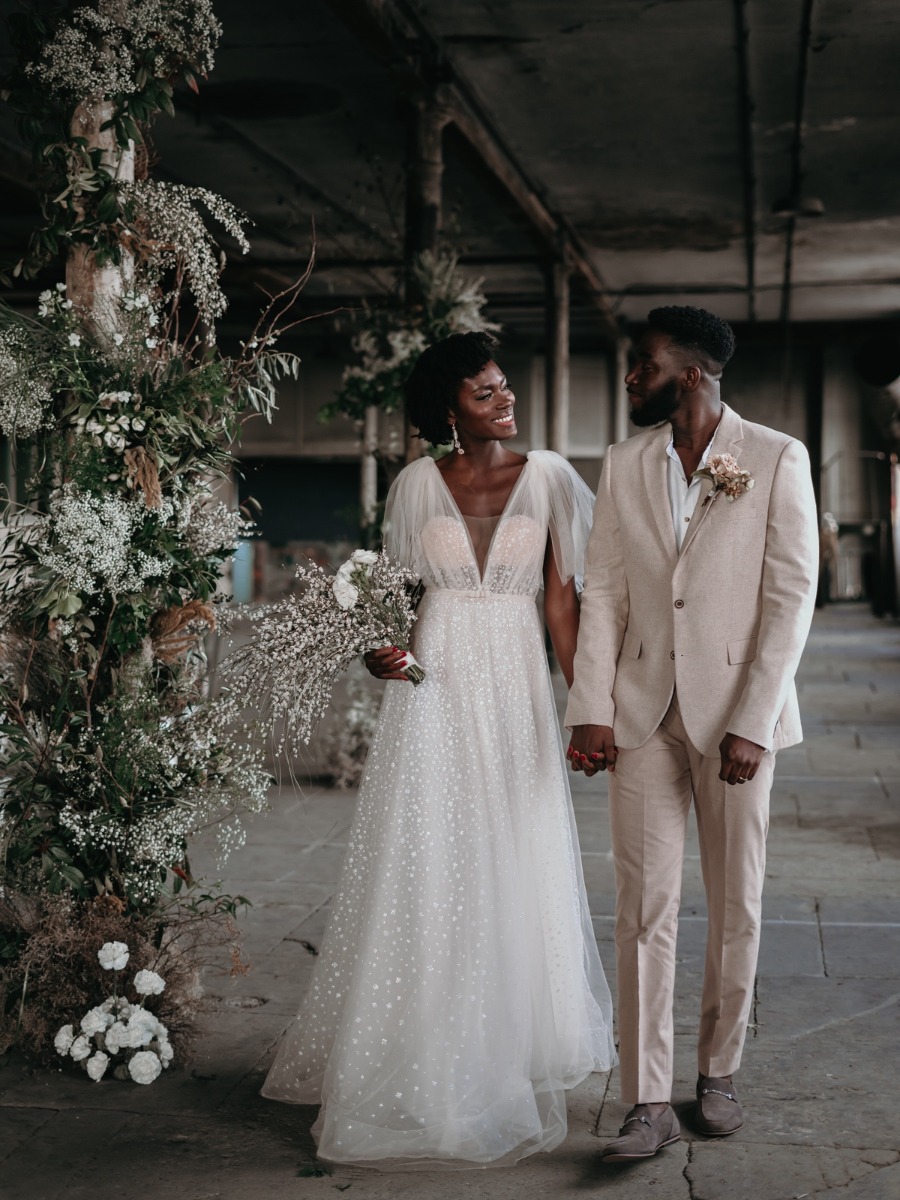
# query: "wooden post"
{"type": "Point", "coordinates": [92, 288]}
{"type": "Point", "coordinates": [557, 362]}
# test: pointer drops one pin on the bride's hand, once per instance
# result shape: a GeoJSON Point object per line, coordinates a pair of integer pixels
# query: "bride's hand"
{"type": "Point", "coordinates": [386, 663]}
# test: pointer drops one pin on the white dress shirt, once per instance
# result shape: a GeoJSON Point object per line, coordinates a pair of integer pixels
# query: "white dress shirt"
{"type": "Point", "coordinates": [683, 495]}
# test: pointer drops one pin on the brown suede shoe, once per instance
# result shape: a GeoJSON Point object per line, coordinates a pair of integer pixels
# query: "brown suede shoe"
{"type": "Point", "coordinates": [719, 1111]}
{"type": "Point", "coordinates": [640, 1137]}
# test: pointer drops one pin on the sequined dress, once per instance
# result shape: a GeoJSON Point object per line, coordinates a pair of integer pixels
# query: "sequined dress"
{"type": "Point", "coordinates": [458, 990]}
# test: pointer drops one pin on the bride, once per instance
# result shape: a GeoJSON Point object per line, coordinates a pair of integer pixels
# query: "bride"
{"type": "Point", "coordinates": [458, 990]}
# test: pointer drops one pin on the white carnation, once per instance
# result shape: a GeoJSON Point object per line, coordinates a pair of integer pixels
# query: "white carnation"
{"type": "Point", "coordinates": [148, 983]}
{"type": "Point", "coordinates": [113, 956]}
{"type": "Point", "coordinates": [80, 1048]}
{"type": "Point", "coordinates": [97, 1064]}
{"type": "Point", "coordinates": [64, 1039]}
{"type": "Point", "coordinates": [144, 1067]}
{"type": "Point", "coordinates": [95, 1021]}
{"type": "Point", "coordinates": [116, 1037]}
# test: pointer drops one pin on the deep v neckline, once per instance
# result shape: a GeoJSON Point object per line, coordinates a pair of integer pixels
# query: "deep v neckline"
{"type": "Point", "coordinates": [482, 575]}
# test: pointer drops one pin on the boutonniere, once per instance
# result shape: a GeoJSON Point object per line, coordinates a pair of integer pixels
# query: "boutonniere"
{"type": "Point", "coordinates": [726, 476]}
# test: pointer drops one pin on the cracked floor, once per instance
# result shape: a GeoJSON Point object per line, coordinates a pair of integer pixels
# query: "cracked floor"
{"type": "Point", "coordinates": [818, 1078]}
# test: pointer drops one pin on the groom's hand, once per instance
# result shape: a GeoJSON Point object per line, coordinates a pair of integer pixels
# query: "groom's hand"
{"type": "Point", "coordinates": [592, 748]}
{"type": "Point", "coordinates": [740, 758]}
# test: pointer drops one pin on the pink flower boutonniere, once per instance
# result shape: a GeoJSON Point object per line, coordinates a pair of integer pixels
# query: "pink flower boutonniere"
{"type": "Point", "coordinates": [726, 477]}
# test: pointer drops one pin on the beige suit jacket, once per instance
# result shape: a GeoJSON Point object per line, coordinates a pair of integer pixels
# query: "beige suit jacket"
{"type": "Point", "coordinates": [724, 621]}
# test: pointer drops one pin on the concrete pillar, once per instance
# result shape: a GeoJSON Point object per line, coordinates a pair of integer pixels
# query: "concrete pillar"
{"type": "Point", "coordinates": [557, 360]}
{"type": "Point", "coordinates": [621, 405]}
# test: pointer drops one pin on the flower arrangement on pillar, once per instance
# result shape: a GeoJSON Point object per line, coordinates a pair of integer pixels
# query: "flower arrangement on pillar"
{"type": "Point", "coordinates": [114, 751]}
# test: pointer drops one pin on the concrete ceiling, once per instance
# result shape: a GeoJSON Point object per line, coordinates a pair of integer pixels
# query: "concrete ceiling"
{"type": "Point", "coordinates": [667, 138]}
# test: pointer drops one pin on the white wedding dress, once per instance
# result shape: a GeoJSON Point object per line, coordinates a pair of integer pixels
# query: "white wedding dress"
{"type": "Point", "coordinates": [458, 990]}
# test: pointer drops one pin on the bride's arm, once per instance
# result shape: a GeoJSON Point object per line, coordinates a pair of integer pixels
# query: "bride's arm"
{"type": "Point", "coordinates": [561, 615]}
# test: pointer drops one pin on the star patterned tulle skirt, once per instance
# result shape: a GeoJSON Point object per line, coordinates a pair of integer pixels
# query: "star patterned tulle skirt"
{"type": "Point", "coordinates": [458, 991]}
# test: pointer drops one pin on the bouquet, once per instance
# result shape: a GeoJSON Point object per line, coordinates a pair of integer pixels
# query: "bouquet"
{"type": "Point", "coordinates": [119, 1030]}
{"type": "Point", "coordinates": [303, 643]}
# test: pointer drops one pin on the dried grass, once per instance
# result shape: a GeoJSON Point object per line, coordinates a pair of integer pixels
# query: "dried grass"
{"type": "Point", "coordinates": [57, 976]}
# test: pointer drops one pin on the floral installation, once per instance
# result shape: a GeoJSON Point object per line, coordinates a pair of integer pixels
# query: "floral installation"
{"type": "Point", "coordinates": [115, 749]}
{"type": "Point", "coordinates": [394, 336]}
{"type": "Point", "coordinates": [302, 644]}
{"type": "Point", "coordinates": [347, 741]}
{"type": "Point", "coordinates": [120, 1035]}
{"type": "Point", "coordinates": [726, 476]}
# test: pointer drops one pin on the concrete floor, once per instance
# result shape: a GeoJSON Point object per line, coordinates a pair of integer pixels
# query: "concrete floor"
{"type": "Point", "coordinates": [819, 1074]}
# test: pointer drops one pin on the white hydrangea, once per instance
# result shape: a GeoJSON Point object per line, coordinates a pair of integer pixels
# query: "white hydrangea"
{"type": "Point", "coordinates": [148, 983]}
{"type": "Point", "coordinates": [144, 1067]}
{"type": "Point", "coordinates": [113, 956]}
{"type": "Point", "coordinates": [97, 1064]}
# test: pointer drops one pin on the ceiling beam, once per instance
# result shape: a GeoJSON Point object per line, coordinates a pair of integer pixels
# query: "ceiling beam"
{"type": "Point", "coordinates": [396, 34]}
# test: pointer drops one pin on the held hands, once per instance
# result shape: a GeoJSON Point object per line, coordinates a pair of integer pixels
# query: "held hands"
{"type": "Point", "coordinates": [592, 748]}
{"type": "Point", "coordinates": [387, 663]}
{"type": "Point", "coordinates": [740, 758]}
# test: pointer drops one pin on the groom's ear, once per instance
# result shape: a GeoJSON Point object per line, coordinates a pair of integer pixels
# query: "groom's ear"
{"type": "Point", "coordinates": [690, 378]}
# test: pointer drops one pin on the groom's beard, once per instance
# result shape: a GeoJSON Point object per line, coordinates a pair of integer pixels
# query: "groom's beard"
{"type": "Point", "coordinates": [658, 406]}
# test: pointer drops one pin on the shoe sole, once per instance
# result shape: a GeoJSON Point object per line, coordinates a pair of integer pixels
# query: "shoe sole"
{"type": "Point", "coordinates": [718, 1132]}
{"type": "Point", "coordinates": [637, 1157]}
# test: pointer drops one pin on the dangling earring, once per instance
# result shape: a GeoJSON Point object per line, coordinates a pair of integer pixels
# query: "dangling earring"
{"type": "Point", "coordinates": [456, 446]}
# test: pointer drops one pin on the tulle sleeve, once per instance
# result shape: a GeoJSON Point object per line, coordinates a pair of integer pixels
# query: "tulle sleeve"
{"type": "Point", "coordinates": [404, 512]}
{"type": "Point", "coordinates": [571, 509]}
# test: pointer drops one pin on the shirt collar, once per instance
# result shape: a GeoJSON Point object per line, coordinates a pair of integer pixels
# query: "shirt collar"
{"type": "Point", "coordinates": [673, 453]}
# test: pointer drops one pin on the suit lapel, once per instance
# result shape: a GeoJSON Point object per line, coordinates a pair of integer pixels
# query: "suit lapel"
{"type": "Point", "coordinates": [654, 468]}
{"type": "Point", "coordinates": [727, 440]}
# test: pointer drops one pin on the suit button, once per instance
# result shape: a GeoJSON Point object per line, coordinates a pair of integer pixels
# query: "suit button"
{"type": "Point", "coordinates": [671, 654]}
{"type": "Point", "coordinates": [679, 604]}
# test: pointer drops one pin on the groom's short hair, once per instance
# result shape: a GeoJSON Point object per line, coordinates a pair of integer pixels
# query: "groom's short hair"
{"type": "Point", "coordinates": [703, 333]}
{"type": "Point", "coordinates": [433, 385]}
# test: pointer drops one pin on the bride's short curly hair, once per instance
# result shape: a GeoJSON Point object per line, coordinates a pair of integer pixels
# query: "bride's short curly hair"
{"type": "Point", "coordinates": [435, 380]}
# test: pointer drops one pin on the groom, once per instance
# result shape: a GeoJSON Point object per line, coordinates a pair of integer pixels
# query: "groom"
{"type": "Point", "coordinates": [700, 584]}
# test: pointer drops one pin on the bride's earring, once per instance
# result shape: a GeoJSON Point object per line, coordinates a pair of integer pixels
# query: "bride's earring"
{"type": "Point", "coordinates": [456, 446]}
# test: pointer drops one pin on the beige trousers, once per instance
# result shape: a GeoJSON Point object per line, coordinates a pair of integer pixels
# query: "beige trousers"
{"type": "Point", "coordinates": [650, 797]}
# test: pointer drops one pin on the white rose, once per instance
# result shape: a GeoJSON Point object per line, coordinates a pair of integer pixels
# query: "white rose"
{"type": "Point", "coordinates": [80, 1048]}
{"type": "Point", "coordinates": [148, 983]}
{"type": "Point", "coordinates": [144, 1067]}
{"type": "Point", "coordinates": [96, 1065]}
{"type": "Point", "coordinates": [367, 558]}
{"type": "Point", "coordinates": [344, 592]}
{"type": "Point", "coordinates": [113, 956]}
{"type": "Point", "coordinates": [64, 1039]}
{"type": "Point", "coordinates": [165, 1052]}
{"type": "Point", "coordinates": [96, 1021]}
